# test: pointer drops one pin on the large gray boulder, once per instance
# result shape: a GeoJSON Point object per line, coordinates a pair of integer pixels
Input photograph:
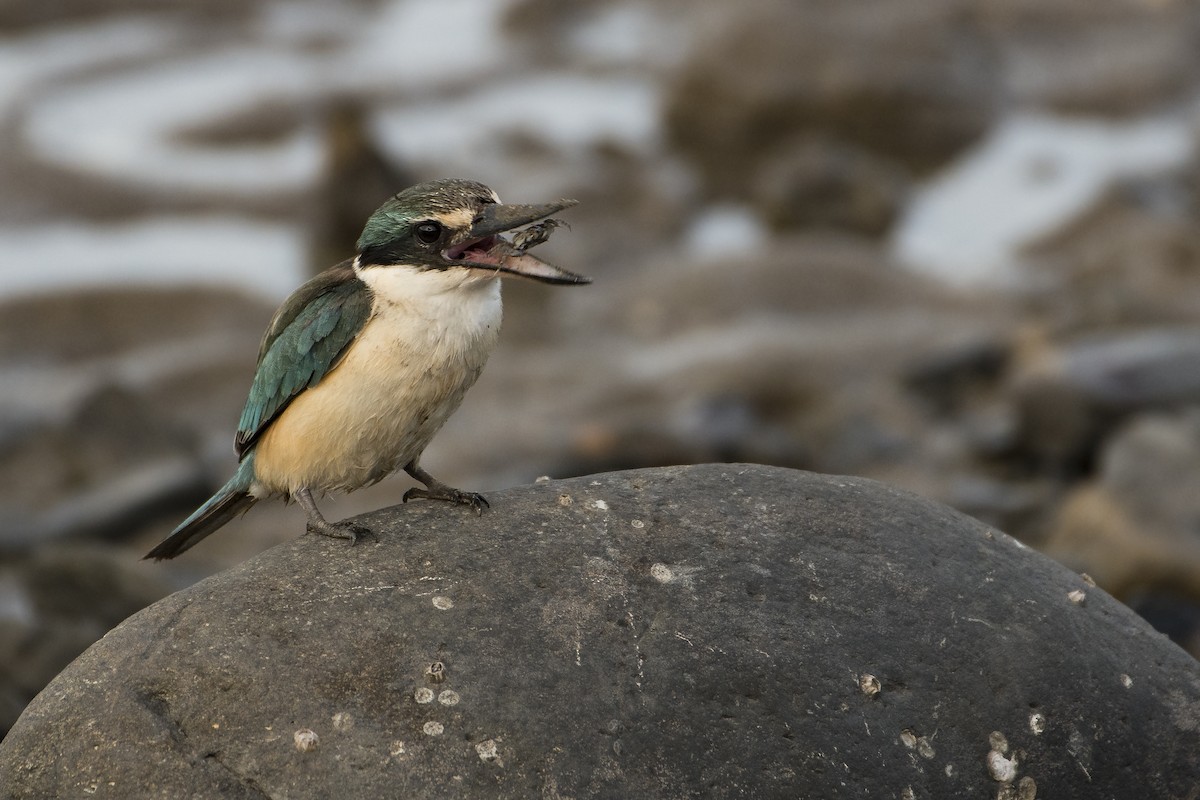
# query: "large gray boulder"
{"type": "Point", "coordinates": [711, 631]}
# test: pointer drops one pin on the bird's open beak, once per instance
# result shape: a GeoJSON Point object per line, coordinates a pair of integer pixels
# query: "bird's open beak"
{"type": "Point", "coordinates": [484, 247]}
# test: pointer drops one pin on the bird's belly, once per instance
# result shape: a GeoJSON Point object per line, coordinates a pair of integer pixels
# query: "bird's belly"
{"type": "Point", "coordinates": [376, 411]}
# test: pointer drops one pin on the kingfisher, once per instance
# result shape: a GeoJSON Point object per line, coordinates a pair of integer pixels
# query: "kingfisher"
{"type": "Point", "coordinates": [363, 364]}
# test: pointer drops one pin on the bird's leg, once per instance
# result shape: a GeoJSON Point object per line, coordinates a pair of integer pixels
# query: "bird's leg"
{"type": "Point", "coordinates": [436, 490]}
{"type": "Point", "coordinates": [318, 524]}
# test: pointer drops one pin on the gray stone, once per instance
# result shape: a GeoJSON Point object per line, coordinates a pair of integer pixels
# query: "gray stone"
{"type": "Point", "coordinates": [826, 184]}
{"type": "Point", "coordinates": [55, 603]}
{"type": "Point", "coordinates": [1135, 526]}
{"type": "Point", "coordinates": [711, 631]}
{"type": "Point", "coordinates": [112, 509]}
{"type": "Point", "coordinates": [1097, 57]}
{"type": "Point", "coordinates": [107, 398]}
{"type": "Point", "coordinates": [907, 82]}
{"type": "Point", "coordinates": [1135, 370]}
{"type": "Point", "coordinates": [1130, 262]}
{"type": "Point", "coordinates": [1069, 398]}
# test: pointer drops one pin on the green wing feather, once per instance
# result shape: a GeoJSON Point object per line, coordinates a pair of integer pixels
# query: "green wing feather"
{"type": "Point", "coordinates": [306, 339]}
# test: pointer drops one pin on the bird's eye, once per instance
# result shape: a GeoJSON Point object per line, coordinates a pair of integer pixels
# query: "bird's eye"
{"type": "Point", "coordinates": [429, 232]}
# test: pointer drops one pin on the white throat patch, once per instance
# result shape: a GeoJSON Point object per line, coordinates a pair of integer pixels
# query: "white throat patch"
{"type": "Point", "coordinates": [406, 285]}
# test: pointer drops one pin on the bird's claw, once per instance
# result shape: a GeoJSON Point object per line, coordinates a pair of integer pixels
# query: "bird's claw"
{"type": "Point", "coordinates": [340, 530]}
{"type": "Point", "coordinates": [472, 499]}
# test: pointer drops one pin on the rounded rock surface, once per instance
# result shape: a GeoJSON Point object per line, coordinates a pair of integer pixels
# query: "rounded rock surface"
{"type": "Point", "coordinates": [579, 672]}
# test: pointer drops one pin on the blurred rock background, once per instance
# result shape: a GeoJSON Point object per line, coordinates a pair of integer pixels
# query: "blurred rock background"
{"type": "Point", "coordinates": [949, 244]}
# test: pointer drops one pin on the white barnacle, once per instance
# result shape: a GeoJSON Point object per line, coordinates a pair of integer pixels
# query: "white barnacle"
{"type": "Point", "coordinates": [1002, 769]}
{"type": "Point", "coordinates": [306, 740]}
{"type": "Point", "coordinates": [488, 750]}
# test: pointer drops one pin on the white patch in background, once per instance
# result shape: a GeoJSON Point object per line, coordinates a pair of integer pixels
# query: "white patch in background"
{"type": "Point", "coordinates": [124, 127]}
{"type": "Point", "coordinates": [114, 102]}
{"type": "Point", "coordinates": [32, 60]}
{"type": "Point", "coordinates": [623, 34]}
{"type": "Point", "coordinates": [568, 112]}
{"type": "Point", "coordinates": [1030, 176]}
{"type": "Point", "coordinates": [415, 44]}
{"type": "Point", "coordinates": [267, 259]}
{"type": "Point", "coordinates": [725, 230]}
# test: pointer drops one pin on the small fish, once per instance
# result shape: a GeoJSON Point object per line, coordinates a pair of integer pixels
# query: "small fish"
{"type": "Point", "coordinates": [534, 235]}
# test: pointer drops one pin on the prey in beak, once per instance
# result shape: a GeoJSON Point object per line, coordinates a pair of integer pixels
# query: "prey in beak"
{"type": "Point", "coordinates": [483, 246]}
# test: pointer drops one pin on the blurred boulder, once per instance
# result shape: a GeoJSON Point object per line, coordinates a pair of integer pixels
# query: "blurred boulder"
{"type": "Point", "coordinates": [823, 184]}
{"type": "Point", "coordinates": [109, 401]}
{"type": "Point", "coordinates": [801, 357]}
{"type": "Point", "coordinates": [107, 405]}
{"type": "Point", "coordinates": [1136, 526]}
{"type": "Point", "coordinates": [1132, 260]}
{"type": "Point", "coordinates": [815, 275]}
{"type": "Point", "coordinates": [113, 464]}
{"type": "Point", "coordinates": [56, 603]}
{"type": "Point", "coordinates": [72, 326]}
{"type": "Point", "coordinates": [1150, 464]}
{"type": "Point", "coordinates": [714, 631]}
{"type": "Point", "coordinates": [1094, 56]}
{"type": "Point", "coordinates": [959, 372]}
{"type": "Point", "coordinates": [1069, 397]}
{"type": "Point", "coordinates": [909, 82]}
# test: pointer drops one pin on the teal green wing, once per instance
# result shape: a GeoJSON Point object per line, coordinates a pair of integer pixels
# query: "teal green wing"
{"type": "Point", "coordinates": [306, 339]}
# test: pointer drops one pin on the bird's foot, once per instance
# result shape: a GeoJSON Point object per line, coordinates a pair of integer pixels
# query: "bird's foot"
{"type": "Point", "coordinates": [339, 530]}
{"type": "Point", "coordinates": [436, 490]}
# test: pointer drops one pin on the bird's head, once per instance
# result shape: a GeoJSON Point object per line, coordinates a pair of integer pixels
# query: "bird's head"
{"type": "Point", "coordinates": [454, 224]}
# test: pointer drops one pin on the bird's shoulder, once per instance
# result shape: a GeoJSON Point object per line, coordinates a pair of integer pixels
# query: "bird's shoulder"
{"type": "Point", "coordinates": [336, 289]}
{"type": "Point", "coordinates": [307, 337]}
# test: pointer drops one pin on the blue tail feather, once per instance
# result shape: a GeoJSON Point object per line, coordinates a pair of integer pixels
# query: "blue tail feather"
{"type": "Point", "coordinates": [232, 499]}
